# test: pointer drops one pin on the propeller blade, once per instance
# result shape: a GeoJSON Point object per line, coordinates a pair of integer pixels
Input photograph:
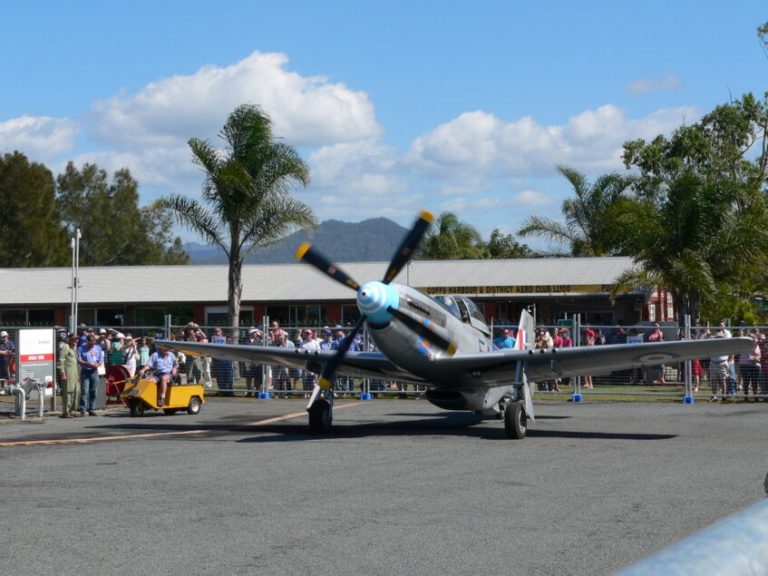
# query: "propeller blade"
{"type": "Point", "coordinates": [422, 327]}
{"type": "Point", "coordinates": [408, 245]}
{"type": "Point", "coordinates": [306, 253]}
{"type": "Point", "coordinates": [330, 367]}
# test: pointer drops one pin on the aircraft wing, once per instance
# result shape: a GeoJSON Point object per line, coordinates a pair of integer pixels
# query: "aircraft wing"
{"type": "Point", "coordinates": [355, 364]}
{"type": "Point", "coordinates": [486, 368]}
{"type": "Point", "coordinates": [496, 368]}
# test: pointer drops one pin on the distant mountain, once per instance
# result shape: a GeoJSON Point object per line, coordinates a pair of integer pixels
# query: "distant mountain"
{"type": "Point", "coordinates": [373, 240]}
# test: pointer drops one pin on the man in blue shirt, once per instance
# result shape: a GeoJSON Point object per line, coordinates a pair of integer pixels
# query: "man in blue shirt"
{"type": "Point", "coordinates": [90, 357]}
{"type": "Point", "coordinates": [164, 366]}
{"type": "Point", "coordinates": [504, 340]}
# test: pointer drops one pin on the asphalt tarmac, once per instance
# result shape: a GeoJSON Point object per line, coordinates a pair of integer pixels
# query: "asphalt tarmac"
{"type": "Point", "coordinates": [399, 487]}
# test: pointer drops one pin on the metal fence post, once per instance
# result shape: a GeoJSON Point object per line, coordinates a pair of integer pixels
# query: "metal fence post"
{"type": "Point", "coordinates": [688, 398]}
{"type": "Point", "coordinates": [577, 394]}
{"type": "Point", "coordinates": [266, 369]}
{"type": "Point", "coordinates": [365, 383]}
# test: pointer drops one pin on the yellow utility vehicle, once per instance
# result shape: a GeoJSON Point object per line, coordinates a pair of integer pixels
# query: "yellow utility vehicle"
{"type": "Point", "coordinates": [140, 395]}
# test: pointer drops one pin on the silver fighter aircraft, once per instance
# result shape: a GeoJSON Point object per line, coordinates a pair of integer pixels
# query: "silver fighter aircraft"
{"type": "Point", "coordinates": [444, 344]}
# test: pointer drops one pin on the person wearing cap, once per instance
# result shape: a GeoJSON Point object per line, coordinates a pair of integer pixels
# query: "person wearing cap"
{"type": "Point", "coordinates": [69, 376]}
{"type": "Point", "coordinates": [326, 343]}
{"type": "Point", "coordinates": [281, 375]}
{"type": "Point", "coordinates": [90, 357]}
{"type": "Point", "coordinates": [7, 355]}
{"type": "Point", "coordinates": [308, 343]}
{"type": "Point", "coordinates": [253, 372]}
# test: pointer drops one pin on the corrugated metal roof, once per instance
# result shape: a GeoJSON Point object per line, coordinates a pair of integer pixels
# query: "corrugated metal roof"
{"type": "Point", "coordinates": [291, 282]}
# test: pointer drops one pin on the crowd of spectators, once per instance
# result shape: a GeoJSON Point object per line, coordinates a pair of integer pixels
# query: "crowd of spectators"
{"type": "Point", "coordinates": [84, 357]}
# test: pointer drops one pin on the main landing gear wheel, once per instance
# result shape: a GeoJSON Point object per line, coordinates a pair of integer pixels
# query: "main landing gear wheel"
{"type": "Point", "coordinates": [515, 421]}
{"type": "Point", "coordinates": [194, 405]}
{"type": "Point", "coordinates": [137, 408]}
{"type": "Point", "coordinates": [320, 417]}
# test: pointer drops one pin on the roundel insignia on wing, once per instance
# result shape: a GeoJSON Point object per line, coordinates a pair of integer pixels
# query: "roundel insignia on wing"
{"type": "Point", "coordinates": [658, 357]}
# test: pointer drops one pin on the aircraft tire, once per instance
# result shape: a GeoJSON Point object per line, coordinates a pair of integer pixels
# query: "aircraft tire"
{"type": "Point", "coordinates": [515, 421]}
{"type": "Point", "coordinates": [320, 417]}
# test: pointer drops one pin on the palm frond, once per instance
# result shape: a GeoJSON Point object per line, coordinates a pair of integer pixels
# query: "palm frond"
{"type": "Point", "coordinates": [193, 215]}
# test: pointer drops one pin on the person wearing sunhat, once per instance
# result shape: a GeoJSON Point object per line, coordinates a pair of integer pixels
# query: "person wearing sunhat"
{"type": "Point", "coordinates": [69, 376]}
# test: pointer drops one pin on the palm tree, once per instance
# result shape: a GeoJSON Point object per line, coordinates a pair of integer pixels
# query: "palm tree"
{"type": "Point", "coordinates": [451, 239]}
{"type": "Point", "coordinates": [586, 230]}
{"type": "Point", "coordinates": [694, 241]}
{"type": "Point", "coordinates": [247, 191]}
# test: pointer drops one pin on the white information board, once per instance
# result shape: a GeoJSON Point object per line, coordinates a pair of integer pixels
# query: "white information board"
{"type": "Point", "coordinates": [36, 356]}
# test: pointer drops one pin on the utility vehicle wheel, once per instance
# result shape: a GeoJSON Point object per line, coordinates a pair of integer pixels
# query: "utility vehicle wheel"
{"type": "Point", "coordinates": [194, 405]}
{"type": "Point", "coordinates": [137, 408]}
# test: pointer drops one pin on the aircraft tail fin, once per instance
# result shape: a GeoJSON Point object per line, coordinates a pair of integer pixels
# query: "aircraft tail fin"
{"type": "Point", "coordinates": [526, 332]}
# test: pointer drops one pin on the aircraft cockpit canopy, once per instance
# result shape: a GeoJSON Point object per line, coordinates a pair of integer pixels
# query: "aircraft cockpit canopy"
{"type": "Point", "coordinates": [463, 308]}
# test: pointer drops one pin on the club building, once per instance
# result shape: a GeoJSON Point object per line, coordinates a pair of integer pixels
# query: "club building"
{"type": "Point", "coordinates": [298, 295]}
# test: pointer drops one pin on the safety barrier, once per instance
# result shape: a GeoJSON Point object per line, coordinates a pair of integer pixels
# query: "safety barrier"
{"type": "Point", "coordinates": [671, 382]}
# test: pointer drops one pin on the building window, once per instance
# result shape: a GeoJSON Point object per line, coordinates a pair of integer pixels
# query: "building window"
{"type": "Point", "coordinates": [41, 317]}
{"type": "Point", "coordinates": [13, 317]}
{"type": "Point", "coordinates": [309, 316]}
{"type": "Point", "coordinates": [350, 314]}
{"type": "Point", "coordinates": [219, 316]}
{"type": "Point", "coordinates": [110, 317]}
{"type": "Point", "coordinates": [280, 313]}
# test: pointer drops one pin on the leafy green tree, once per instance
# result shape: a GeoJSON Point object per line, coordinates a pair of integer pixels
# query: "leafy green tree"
{"type": "Point", "coordinates": [31, 234]}
{"type": "Point", "coordinates": [115, 230]}
{"type": "Point", "coordinates": [587, 229]}
{"type": "Point", "coordinates": [502, 246]}
{"type": "Point", "coordinates": [762, 36]}
{"type": "Point", "coordinates": [247, 191]}
{"type": "Point", "coordinates": [162, 246]}
{"type": "Point", "coordinates": [699, 225]}
{"type": "Point", "coordinates": [451, 239]}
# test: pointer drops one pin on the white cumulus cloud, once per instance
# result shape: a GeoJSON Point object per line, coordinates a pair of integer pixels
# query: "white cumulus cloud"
{"type": "Point", "coordinates": [304, 110]}
{"type": "Point", "coordinates": [591, 141]}
{"type": "Point", "coordinates": [41, 138]}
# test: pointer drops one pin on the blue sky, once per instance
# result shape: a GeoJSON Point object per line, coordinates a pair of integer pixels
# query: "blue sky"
{"type": "Point", "coordinates": [397, 105]}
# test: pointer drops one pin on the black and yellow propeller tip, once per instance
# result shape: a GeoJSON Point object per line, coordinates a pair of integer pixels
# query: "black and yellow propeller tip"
{"type": "Point", "coordinates": [302, 250]}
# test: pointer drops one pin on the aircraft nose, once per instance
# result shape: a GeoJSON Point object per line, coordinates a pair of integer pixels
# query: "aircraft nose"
{"type": "Point", "coordinates": [373, 300]}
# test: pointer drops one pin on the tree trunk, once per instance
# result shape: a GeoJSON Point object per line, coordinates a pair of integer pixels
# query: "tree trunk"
{"type": "Point", "coordinates": [234, 294]}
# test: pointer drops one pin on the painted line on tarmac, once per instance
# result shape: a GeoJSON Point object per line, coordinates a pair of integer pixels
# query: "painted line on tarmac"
{"type": "Point", "coordinates": [64, 441]}
{"type": "Point", "coordinates": [295, 415]}
{"type": "Point", "coordinates": [51, 442]}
